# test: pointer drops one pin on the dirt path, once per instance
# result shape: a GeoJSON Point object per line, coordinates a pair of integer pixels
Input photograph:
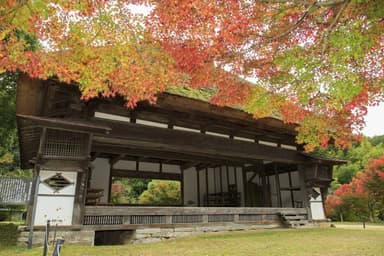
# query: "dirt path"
{"type": "Point", "coordinates": [356, 226]}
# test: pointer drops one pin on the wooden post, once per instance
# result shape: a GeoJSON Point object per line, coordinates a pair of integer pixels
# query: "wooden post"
{"type": "Point", "coordinates": [198, 187]}
{"type": "Point", "coordinates": [265, 188]}
{"type": "Point", "coordinates": [182, 187]}
{"type": "Point", "coordinates": [290, 189]}
{"type": "Point", "coordinates": [110, 182]}
{"type": "Point", "coordinates": [214, 180]}
{"type": "Point", "coordinates": [137, 164]}
{"type": "Point", "coordinates": [33, 215]}
{"type": "Point", "coordinates": [221, 180]}
{"type": "Point", "coordinates": [235, 173]}
{"type": "Point", "coordinates": [245, 187]}
{"type": "Point", "coordinates": [303, 188]}
{"type": "Point", "coordinates": [277, 185]}
{"type": "Point", "coordinates": [206, 186]}
{"type": "Point", "coordinates": [227, 169]}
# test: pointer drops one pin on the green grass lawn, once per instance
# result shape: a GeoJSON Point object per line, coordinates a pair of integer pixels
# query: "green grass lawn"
{"type": "Point", "coordinates": [325, 241]}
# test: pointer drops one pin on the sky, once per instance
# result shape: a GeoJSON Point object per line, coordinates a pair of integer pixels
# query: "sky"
{"type": "Point", "coordinates": [374, 121]}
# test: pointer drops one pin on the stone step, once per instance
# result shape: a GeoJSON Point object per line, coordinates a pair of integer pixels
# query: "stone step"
{"type": "Point", "coordinates": [308, 225]}
{"type": "Point", "coordinates": [294, 217]}
{"type": "Point", "coordinates": [298, 222]}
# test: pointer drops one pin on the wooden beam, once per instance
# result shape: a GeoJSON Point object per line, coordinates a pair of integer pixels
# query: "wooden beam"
{"type": "Point", "coordinates": [188, 165]}
{"type": "Point", "coordinates": [160, 154]}
{"type": "Point", "coordinates": [94, 156]}
{"type": "Point", "coordinates": [65, 124]}
{"type": "Point", "coordinates": [145, 174]}
{"type": "Point", "coordinates": [116, 159]}
{"type": "Point", "coordinates": [201, 121]}
{"type": "Point", "coordinates": [194, 143]}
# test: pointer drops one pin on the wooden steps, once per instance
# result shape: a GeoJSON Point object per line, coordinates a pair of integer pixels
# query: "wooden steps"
{"type": "Point", "coordinates": [295, 220]}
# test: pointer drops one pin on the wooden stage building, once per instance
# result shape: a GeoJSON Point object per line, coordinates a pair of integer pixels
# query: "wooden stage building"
{"type": "Point", "coordinates": [235, 172]}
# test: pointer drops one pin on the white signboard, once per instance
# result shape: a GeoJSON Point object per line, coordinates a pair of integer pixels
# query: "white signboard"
{"type": "Point", "coordinates": [56, 194]}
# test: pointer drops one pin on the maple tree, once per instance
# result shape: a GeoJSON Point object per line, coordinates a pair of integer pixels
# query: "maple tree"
{"type": "Point", "coordinates": [162, 192]}
{"type": "Point", "coordinates": [314, 62]}
{"type": "Point", "coordinates": [363, 196]}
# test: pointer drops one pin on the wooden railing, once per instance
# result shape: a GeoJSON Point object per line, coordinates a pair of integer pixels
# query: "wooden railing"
{"type": "Point", "coordinates": [120, 215]}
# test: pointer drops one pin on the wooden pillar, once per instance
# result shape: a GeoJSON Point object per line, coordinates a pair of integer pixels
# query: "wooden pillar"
{"type": "Point", "coordinates": [245, 187]}
{"type": "Point", "coordinates": [35, 184]}
{"type": "Point", "coordinates": [221, 180]}
{"type": "Point", "coordinates": [214, 180]}
{"type": "Point", "coordinates": [78, 207]}
{"type": "Point", "coordinates": [182, 187]}
{"type": "Point", "coordinates": [110, 182]}
{"type": "Point", "coordinates": [277, 185]}
{"type": "Point", "coordinates": [198, 187]}
{"type": "Point", "coordinates": [265, 188]}
{"type": "Point", "coordinates": [137, 164]}
{"type": "Point", "coordinates": [235, 173]}
{"type": "Point", "coordinates": [303, 189]}
{"type": "Point", "coordinates": [206, 187]}
{"type": "Point", "coordinates": [290, 189]}
{"type": "Point", "coordinates": [227, 170]}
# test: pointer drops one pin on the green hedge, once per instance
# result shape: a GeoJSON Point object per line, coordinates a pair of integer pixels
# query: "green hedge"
{"type": "Point", "coordinates": [8, 234]}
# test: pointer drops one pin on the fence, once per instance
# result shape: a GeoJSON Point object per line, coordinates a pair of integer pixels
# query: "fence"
{"type": "Point", "coordinates": [15, 191]}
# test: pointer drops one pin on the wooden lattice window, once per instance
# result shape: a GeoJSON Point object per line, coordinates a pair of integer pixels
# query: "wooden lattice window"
{"type": "Point", "coordinates": [65, 145]}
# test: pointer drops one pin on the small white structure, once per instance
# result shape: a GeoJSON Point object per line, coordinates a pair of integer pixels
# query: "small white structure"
{"type": "Point", "coordinates": [316, 204]}
{"type": "Point", "coordinates": [56, 193]}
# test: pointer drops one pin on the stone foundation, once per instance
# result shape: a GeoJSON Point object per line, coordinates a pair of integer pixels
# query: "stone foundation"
{"type": "Point", "coordinates": [86, 236]}
{"type": "Point", "coordinates": [150, 235]}
{"type": "Point", "coordinates": [79, 237]}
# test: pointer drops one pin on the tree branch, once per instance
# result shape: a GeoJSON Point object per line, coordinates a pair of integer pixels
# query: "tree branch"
{"type": "Point", "coordinates": [296, 25]}
{"type": "Point", "coordinates": [332, 25]}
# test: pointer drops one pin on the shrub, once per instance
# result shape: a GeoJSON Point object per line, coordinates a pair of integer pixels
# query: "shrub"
{"type": "Point", "coordinates": [8, 234]}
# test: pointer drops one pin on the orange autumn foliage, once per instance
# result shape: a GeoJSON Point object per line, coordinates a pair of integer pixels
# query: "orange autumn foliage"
{"type": "Point", "coordinates": [319, 64]}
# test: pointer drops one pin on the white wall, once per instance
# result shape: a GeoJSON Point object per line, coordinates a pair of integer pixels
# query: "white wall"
{"type": "Point", "coordinates": [316, 204]}
{"type": "Point", "coordinates": [100, 176]}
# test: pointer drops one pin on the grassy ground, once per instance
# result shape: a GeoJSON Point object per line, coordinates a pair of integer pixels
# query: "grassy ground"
{"type": "Point", "coordinates": [325, 241]}
{"type": "Point", "coordinates": [8, 234]}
